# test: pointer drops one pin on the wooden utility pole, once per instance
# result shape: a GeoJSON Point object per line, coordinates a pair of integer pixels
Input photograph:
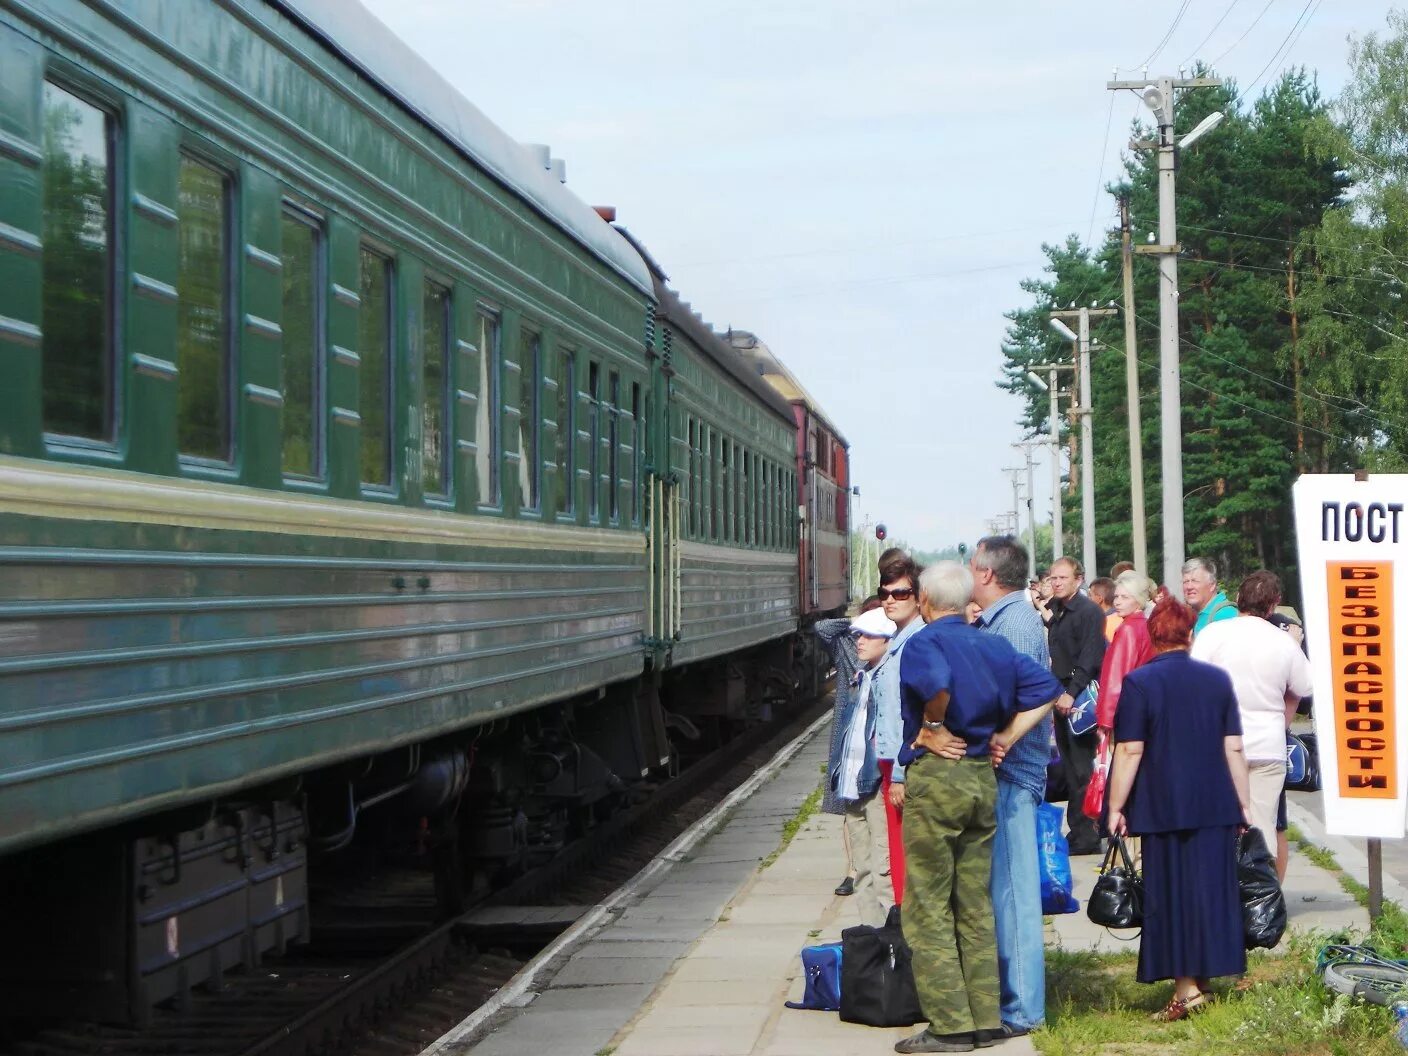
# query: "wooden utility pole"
{"type": "Point", "coordinates": [1131, 391]}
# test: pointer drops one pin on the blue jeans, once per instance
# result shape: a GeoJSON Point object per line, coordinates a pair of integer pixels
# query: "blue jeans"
{"type": "Point", "coordinates": [1016, 905]}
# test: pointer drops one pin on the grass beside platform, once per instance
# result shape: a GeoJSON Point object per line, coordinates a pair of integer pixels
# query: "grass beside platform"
{"type": "Point", "coordinates": [1094, 1007]}
{"type": "Point", "coordinates": [794, 824]}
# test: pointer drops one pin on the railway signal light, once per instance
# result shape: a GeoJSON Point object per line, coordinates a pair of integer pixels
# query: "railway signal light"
{"type": "Point", "coordinates": [880, 532]}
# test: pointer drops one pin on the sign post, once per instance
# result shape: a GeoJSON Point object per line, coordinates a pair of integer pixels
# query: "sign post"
{"type": "Point", "coordinates": [1349, 528]}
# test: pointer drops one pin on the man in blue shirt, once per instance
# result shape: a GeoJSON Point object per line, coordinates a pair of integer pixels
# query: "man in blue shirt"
{"type": "Point", "coordinates": [977, 687]}
{"type": "Point", "coordinates": [999, 567]}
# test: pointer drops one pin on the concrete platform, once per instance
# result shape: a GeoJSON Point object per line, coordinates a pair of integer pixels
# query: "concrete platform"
{"type": "Point", "coordinates": [699, 960]}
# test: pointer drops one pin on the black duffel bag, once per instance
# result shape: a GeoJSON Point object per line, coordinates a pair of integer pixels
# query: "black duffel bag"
{"type": "Point", "coordinates": [877, 978]}
{"type": "Point", "coordinates": [1263, 904]}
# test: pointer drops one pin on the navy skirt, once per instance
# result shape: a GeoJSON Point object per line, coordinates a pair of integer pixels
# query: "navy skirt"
{"type": "Point", "coordinates": [1192, 912]}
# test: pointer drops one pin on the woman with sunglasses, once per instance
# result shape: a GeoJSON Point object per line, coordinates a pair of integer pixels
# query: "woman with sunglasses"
{"type": "Point", "coordinates": [899, 595]}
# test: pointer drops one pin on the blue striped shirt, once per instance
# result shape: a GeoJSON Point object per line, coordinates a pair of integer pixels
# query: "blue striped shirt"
{"type": "Point", "coordinates": [1013, 617]}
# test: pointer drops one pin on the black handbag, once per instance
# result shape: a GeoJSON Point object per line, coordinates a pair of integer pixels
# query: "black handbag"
{"type": "Point", "coordinates": [877, 977]}
{"type": "Point", "coordinates": [1117, 900]}
{"type": "Point", "coordinates": [1263, 904]}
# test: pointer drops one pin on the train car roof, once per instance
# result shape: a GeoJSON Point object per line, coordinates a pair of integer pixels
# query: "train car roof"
{"type": "Point", "coordinates": [365, 42]}
{"type": "Point", "coordinates": [752, 348]}
{"type": "Point", "coordinates": [702, 334]}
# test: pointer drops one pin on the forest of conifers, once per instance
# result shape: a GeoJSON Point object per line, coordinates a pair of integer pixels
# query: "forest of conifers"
{"type": "Point", "coordinates": [1293, 223]}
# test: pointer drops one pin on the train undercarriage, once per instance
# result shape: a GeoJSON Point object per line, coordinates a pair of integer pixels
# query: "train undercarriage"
{"type": "Point", "coordinates": [111, 923]}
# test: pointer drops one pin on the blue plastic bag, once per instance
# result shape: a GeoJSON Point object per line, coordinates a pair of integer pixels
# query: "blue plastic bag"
{"type": "Point", "coordinates": [1053, 862]}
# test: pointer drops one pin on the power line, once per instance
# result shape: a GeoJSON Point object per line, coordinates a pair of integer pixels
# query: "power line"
{"type": "Point", "coordinates": [1320, 399]}
{"type": "Point", "coordinates": [1243, 37]}
{"type": "Point", "coordinates": [1304, 15]}
{"type": "Point", "coordinates": [1216, 26]}
{"type": "Point", "coordinates": [1100, 178]}
{"type": "Point", "coordinates": [1249, 407]}
{"type": "Point", "coordinates": [806, 291]}
{"type": "Point", "coordinates": [874, 246]}
{"type": "Point", "coordinates": [1167, 36]}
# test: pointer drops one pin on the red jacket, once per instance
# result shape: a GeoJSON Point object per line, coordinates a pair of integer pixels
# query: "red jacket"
{"type": "Point", "coordinates": [1130, 649]}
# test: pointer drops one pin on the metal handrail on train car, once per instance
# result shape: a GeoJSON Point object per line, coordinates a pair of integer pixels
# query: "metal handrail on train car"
{"type": "Point", "coordinates": [676, 559]}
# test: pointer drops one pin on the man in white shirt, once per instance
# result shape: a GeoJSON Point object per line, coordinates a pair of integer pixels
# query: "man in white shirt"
{"type": "Point", "coordinates": [1270, 676]}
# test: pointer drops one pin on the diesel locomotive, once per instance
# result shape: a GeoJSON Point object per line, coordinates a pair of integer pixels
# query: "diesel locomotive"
{"type": "Point", "coordinates": [359, 486]}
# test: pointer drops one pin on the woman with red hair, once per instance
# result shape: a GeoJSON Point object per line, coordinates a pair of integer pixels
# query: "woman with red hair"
{"type": "Point", "coordinates": [1179, 780]}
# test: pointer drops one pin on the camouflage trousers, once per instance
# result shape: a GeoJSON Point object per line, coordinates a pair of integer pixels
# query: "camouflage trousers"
{"type": "Point", "coordinates": [950, 818]}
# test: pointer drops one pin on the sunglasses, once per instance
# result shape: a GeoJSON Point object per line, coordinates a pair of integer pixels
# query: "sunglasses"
{"type": "Point", "coordinates": [899, 593]}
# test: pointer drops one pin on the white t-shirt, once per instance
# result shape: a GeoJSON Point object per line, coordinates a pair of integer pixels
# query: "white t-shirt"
{"type": "Point", "coordinates": [1264, 662]}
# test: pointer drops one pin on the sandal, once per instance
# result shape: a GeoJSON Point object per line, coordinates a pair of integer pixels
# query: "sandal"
{"type": "Point", "coordinates": [1181, 1008]}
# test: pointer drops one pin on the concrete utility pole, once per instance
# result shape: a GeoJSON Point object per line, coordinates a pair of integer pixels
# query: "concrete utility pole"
{"type": "Point", "coordinates": [1016, 472]}
{"type": "Point", "coordinates": [1159, 96]}
{"type": "Point", "coordinates": [1057, 543]}
{"type": "Point", "coordinates": [1026, 448]}
{"type": "Point", "coordinates": [1131, 391]}
{"type": "Point", "coordinates": [1083, 315]}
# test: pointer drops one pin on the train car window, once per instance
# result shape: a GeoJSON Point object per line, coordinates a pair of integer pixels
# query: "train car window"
{"type": "Point", "coordinates": [488, 410]}
{"type": "Point", "coordinates": [437, 424]}
{"type": "Point", "coordinates": [745, 511]}
{"type": "Point", "coordinates": [613, 447]}
{"type": "Point", "coordinates": [530, 383]}
{"type": "Point", "coordinates": [691, 482]}
{"type": "Point", "coordinates": [728, 496]}
{"type": "Point", "coordinates": [715, 487]}
{"type": "Point", "coordinates": [76, 313]}
{"type": "Point", "coordinates": [637, 440]}
{"type": "Point", "coordinates": [594, 431]}
{"type": "Point", "coordinates": [566, 432]}
{"type": "Point", "coordinates": [302, 321]}
{"type": "Point", "coordinates": [203, 358]}
{"type": "Point", "coordinates": [377, 379]}
{"type": "Point", "coordinates": [764, 520]}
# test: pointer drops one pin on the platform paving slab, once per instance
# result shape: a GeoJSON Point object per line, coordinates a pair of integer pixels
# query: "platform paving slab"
{"type": "Point", "coordinates": [605, 982]}
{"type": "Point", "coordinates": [721, 941]}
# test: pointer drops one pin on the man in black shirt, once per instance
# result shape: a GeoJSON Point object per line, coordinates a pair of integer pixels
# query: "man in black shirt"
{"type": "Point", "coordinates": [1076, 637]}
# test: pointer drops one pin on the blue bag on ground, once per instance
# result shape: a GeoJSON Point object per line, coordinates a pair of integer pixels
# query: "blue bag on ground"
{"type": "Point", "coordinates": [821, 966]}
{"type": "Point", "coordinates": [1054, 862]}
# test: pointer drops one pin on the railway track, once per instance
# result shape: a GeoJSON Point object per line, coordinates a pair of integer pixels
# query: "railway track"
{"type": "Point", "coordinates": [369, 992]}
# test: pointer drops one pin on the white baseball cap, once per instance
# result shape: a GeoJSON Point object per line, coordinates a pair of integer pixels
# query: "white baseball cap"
{"type": "Point", "coordinates": [875, 624]}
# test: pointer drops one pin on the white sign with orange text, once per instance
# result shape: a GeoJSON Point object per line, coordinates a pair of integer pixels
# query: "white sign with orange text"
{"type": "Point", "coordinates": [1348, 533]}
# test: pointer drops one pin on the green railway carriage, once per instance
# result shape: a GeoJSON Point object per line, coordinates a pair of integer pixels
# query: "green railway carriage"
{"type": "Point", "coordinates": [731, 442]}
{"type": "Point", "coordinates": [350, 468]}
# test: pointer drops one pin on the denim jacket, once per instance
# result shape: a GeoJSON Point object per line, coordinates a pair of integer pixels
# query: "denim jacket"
{"type": "Point", "coordinates": [889, 723]}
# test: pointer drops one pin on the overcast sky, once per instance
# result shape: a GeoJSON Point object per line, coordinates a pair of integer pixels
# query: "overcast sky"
{"type": "Point", "coordinates": [861, 184]}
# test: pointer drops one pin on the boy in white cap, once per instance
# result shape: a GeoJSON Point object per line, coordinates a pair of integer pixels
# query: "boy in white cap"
{"type": "Point", "coordinates": [855, 772]}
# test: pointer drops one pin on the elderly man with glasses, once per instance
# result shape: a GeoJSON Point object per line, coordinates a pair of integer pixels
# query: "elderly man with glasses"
{"type": "Point", "coordinates": [978, 687]}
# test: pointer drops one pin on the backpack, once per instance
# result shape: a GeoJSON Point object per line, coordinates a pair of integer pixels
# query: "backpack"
{"type": "Point", "coordinates": [821, 967]}
{"type": "Point", "coordinates": [877, 977]}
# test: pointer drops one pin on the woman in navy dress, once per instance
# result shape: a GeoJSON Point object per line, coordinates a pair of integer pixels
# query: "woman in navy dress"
{"type": "Point", "coordinates": [1179, 780]}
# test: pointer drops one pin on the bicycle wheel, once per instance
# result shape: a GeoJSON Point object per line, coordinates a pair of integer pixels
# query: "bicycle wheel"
{"type": "Point", "coordinates": [1378, 984]}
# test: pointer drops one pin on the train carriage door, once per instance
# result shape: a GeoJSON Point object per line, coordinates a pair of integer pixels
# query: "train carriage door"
{"type": "Point", "coordinates": [814, 452]}
{"type": "Point", "coordinates": [666, 458]}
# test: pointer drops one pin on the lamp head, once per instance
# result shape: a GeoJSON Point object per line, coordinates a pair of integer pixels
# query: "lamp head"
{"type": "Point", "coordinates": [1154, 100]}
{"type": "Point", "coordinates": [1064, 330]}
{"type": "Point", "coordinates": [1035, 379]}
{"type": "Point", "coordinates": [1202, 128]}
